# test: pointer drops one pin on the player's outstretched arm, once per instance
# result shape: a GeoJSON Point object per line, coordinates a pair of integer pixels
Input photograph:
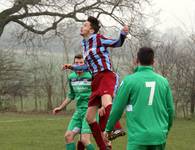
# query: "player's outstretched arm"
{"type": "Point", "coordinates": [80, 68]}
{"type": "Point", "coordinates": [115, 42]}
{"type": "Point", "coordinates": [75, 67]}
{"type": "Point", "coordinates": [59, 108]}
{"type": "Point", "coordinates": [67, 66]}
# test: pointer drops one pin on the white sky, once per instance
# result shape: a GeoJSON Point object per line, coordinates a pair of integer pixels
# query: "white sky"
{"type": "Point", "coordinates": [173, 13]}
{"type": "Point", "coordinates": [176, 13]}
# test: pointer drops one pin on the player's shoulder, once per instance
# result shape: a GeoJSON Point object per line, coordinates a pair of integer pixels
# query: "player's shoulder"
{"type": "Point", "coordinates": [161, 79]}
{"type": "Point", "coordinates": [137, 76]}
{"type": "Point", "coordinates": [132, 75]}
{"type": "Point", "coordinates": [87, 75]}
{"type": "Point", "coordinates": [159, 76]}
{"type": "Point", "coordinates": [72, 75]}
{"type": "Point", "coordinates": [129, 78]}
{"type": "Point", "coordinates": [128, 81]}
{"type": "Point", "coordinates": [100, 36]}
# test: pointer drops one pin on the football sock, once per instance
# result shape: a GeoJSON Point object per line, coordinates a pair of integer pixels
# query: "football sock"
{"type": "Point", "coordinates": [70, 146]}
{"type": "Point", "coordinates": [80, 145]}
{"type": "Point", "coordinates": [103, 119]}
{"type": "Point", "coordinates": [117, 125]}
{"type": "Point", "coordinates": [90, 147]}
{"type": "Point", "coordinates": [97, 134]}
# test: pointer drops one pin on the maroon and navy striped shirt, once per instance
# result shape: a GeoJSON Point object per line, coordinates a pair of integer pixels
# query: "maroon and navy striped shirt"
{"type": "Point", "coordinates": [96, 54]}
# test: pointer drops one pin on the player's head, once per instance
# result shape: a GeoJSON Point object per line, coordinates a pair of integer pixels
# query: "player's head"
{"type": "Point", "coordinates": [78, 60]}
{"type": "Point", "coordinates": [145, 56]}
{"type": "Point", "coordinates": [90, 26]}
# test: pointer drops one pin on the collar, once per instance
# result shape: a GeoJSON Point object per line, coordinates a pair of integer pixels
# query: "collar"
{"type": "Point", "coordinates": [87, 39]}
{"type": "Point", "coordinates": [143, 68]}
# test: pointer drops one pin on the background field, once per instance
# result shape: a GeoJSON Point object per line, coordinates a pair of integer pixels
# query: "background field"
{"type": "Point", "coordinates": [45, 132]}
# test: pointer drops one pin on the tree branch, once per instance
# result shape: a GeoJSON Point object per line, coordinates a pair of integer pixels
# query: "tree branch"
{"type": "Point", "coordinates": [53, 9]}
{"type": "Point", "coordinates": [30, 28]}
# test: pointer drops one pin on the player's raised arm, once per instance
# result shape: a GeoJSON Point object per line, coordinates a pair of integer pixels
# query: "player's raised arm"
{"type": "Point", "coordinates": [115, 42]}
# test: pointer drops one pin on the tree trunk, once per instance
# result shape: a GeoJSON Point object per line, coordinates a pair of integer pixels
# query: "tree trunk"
{"type": "Point", "coordinates": [62, 87]}
{"type": "Point", "coordinates": [49, 94]}
{"type": "Point", "coordinates": [183, 109]}
{"type": "Point", "coordinates": [35, 91]}
{"type": "Point", "coordinates": [176, 108]}
{"type": "Point", "coordinates": [21, 103]}
{"type": "Point", "coordinates": [192, 104]}
{"type": "Point", "coordinates": [36, 103]}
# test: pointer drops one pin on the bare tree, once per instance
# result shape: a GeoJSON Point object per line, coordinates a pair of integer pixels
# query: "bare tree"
{"type": "Point", "coordinates": [35, 80]}
{"type": "Point", "coordinates": [41, 16]}
{"type": "Point", "coordinates": [12, 76]}
{"type": "Point", "coordinates": [166, 56]}
{"type": "Point", "coordinates": [191, 46]}
{"type": "Point", "coordinates": [49, 79]}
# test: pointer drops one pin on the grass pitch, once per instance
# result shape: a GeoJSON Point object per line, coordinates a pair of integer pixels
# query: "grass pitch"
{"type": "Point", "coordinates": [46, 132]}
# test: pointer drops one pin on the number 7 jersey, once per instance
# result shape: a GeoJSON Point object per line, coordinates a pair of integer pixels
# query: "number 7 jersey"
{"type": "Point", "coordinates": [148, 101]}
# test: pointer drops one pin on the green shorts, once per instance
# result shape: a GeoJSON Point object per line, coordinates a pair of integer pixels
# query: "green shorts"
{"type": "Point", "coordinates": [78, 123]}
{"type": "Point", "coordinates": [146, 147]}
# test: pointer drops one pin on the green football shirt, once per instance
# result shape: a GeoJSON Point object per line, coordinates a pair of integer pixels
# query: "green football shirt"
{"type": "Point", "coordinates": [80, 89]}
{"type": "Point", "coordinates": [148, 101]}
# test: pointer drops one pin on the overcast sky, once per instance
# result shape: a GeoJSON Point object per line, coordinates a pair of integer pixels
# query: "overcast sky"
{"type": "Point", "coordinates": [173, 13]}
{"type": "Point", "coordinates": [176, 13]}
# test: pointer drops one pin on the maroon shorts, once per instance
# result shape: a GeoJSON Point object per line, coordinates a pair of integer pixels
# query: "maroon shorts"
{"type": "Point", "coordinates": [104, 82]}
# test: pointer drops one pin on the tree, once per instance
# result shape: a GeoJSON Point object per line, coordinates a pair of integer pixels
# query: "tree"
{"type": "Point", "coordinates": [35, 80]}
{"type": "Point", "coordinates": [191, 47]}
{"type": "Point", "coordinates": [49, 74]}
{"type": "Point", "coordinates": [67, 38]}
{"type": "Point", "coordinates": [41, 16]}
{"type": "Point", "coordinates": [166, 56]}
{"type": "Point", "coordinates": [12, 77]}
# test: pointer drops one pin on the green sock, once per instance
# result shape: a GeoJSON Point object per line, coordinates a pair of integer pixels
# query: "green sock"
{"type": "Point", "coordinates": [70, 146]}
{"type": "Point", "coordinates": [90, 147]}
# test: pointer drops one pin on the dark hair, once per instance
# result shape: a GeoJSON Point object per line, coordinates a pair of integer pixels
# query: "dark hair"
{"type": "Point", "coordinates": [145, 56]}
{"type": "Point", "coordinates": [78, 56]}
{"type": "Point", "coordinates": [95, 24]}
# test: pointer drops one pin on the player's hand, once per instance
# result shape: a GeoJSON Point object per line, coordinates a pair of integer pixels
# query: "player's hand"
{"type": "Point", "coordinates": [101, 111]}
{"type": "Point", "coordinates": [67, 66]}
{"type": "Point", "coordinates": [56, 110]}
{"type": "Point", "coordinates": [125, 29]}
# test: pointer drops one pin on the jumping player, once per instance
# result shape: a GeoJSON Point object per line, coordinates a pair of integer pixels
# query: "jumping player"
{"type": "Point", "coordinates": [97, 61]}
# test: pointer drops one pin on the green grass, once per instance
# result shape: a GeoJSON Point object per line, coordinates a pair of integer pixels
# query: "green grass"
{"type": "Point", "coordinates": [45, 132]}
{"type": "Point", "coordinates": [182, 135]}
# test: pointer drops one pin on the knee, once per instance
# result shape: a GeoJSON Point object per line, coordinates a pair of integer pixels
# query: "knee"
{"type": "Point", "coordinates": [89, 119]}
{"type": "Point", "coordinates": [85, 139]}
{"type": "Point", "coordinates": [69, 137]}
{"type": "Point", "coordinates": [91, 115]}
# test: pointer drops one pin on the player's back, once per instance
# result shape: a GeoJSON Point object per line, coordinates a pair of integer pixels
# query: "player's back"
{"type": "Point", "coordinates": [147, 116]}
